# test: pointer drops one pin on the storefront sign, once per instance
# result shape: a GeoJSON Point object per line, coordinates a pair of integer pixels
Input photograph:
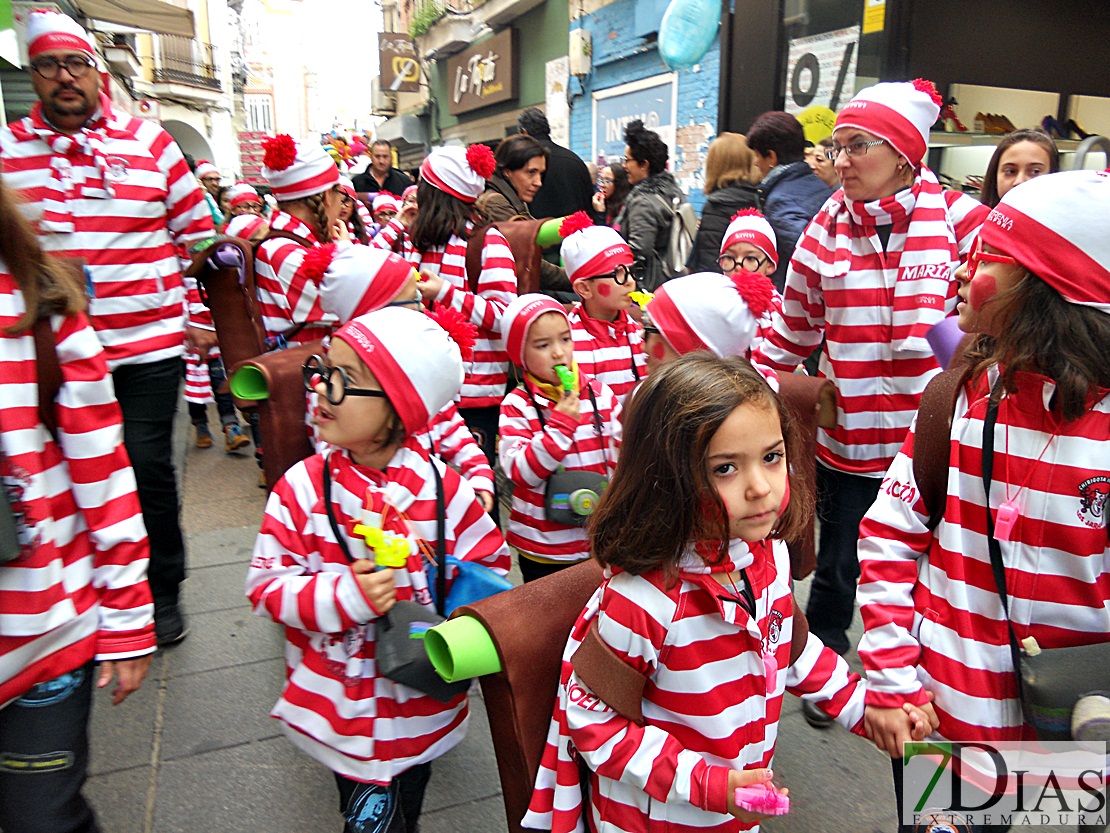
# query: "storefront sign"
{"type": "Point", "coordinates": [485, 74]}
{"type": "Point", "coordinates": [821, 70]}
{"type": "Point", "coordinates": [652, 100]}
{"type": "Point", "coordinates": [399, 69]}
{"type": "Point", "coordinates": [874, 16]}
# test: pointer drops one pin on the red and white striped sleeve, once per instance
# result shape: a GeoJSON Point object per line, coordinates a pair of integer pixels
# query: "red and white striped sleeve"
{"type": "Point", "coordinates": [496, 286]}
{"type": "Point", "coordinates": [472, 534]}
{"type": "Point", "coordinates": [530, 453]}
{"type": "Point", "coordinates": [90, 433]}
{"type": "Point", "coordinates": [453, 443]}
{"type": "Point", "coordinates": [823, 677]}
{"type": "Point", "coordinates": [389, 235]}
{"type": "Point", "coordinates": [287, 295]}
{"type": "Point", "coordinates": [967, 215]}
{"type": "Point", "coordinates": [187, 215]}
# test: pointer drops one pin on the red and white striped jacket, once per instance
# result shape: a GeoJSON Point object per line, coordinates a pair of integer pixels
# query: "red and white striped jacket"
{"type": "Point", "coordinates": [530, 453]}
{"type": "Point", "coordinates": [335, 706]}
{"type": "Point", "coordinates": [932, 615]}
{"type": "Point", "coordinates": [878, 386]}
{"type": "Point", "coordinates": [394, 238]}
{"type": "Point", "coordinates": [130, 239]}
{"type": "Point", "coordinates": [287, 295]}
{"type": "Point", "coordinates": [610, 351]}
{"type": "Point", "coordinates": [707, 706]}
{"type": "Point", "coordinates": [484, 385]}
{"type": "Point", "coordinates": [79, 589]}
{"type": "Point", "coordinates": [453, 443]}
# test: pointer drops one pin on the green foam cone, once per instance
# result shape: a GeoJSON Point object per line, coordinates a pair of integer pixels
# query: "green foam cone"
{"type": "Point", "coordinates": [548, 235]}
{"type": "Point", "coordinates": [249, 383]}
{"type": "Point", "coordinates": [461, 648]}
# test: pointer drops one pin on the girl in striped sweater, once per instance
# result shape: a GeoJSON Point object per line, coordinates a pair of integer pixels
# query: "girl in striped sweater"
{"type": "Point", "coordinates": [1036, 289]}
{"type": "Point", "coordinates": [697, 600]}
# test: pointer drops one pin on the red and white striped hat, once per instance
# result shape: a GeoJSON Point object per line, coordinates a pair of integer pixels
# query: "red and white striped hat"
{"type": "Point", "coordinates": [596, 250]}
{"type": "Point", "coordinates": [348, 186]}
{"type": "Point", "coordinates": [460, 172]}
{"type": "Point", "coordinates": [1058, 227]}
{"type": "Point", "coordinates": [205, 168]}
{"type": "Point", "coordinates": [48, 30]}
{"type": "Point", "coordinates": [710, 311]}
{"type": "Point", "coordinates": [417, 364]}
{"type": "Point", "coordinates": [361, 279]}
{"type": "Point", "coordinates": [295, 170]}
{"type": "Point", "coordinates": [385, 200]}
{"type": "Point", "coordinates": [241, 193]}
{"type": "Point", "coordinates": [244, 225]}
{"type": "Point", "coordinates": [518, 318]}
{"type": "Point", "coordinates": [750, 226]}
{"type": "Point", "coordinates": [901, 112]}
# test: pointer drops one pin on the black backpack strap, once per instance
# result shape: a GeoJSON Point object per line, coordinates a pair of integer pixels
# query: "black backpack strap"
{"type": "Point", "coordinates": [932, 439]}
{"type": "Point", "coordinates": [339, 536]}
{"type": "Point", "coordinates": [441, 544]}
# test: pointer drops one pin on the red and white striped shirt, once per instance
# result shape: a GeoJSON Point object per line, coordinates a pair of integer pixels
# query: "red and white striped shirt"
{"type": "Point", "coordinates": [931, 612]}
{"type": "Point", "coordinates": [708, 707]}
{"type": "Point", "coordinates": [79, 589]}
{"type": "Point", "coordinates": [878, 385]}
{"type": "Point", "coordinates": [530, 453]}
{"type": "Point", "coordinates": [286, 294]}
{"type": "Point", "coordinates": [130, 239]}
{"type": "Point", "coordinates": [610, 351]}
{"type": "Point", "coordinates": [453, 443]}
{"type": "Point", "coordinates": [335, 706]}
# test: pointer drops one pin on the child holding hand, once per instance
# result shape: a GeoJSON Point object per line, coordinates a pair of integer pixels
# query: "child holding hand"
{"type": "Point", "coordinates": [548, 427]}
{"type": "Point", "coordinates": [376, 392]}
{"type": "Point", "coordinates": [697, 601]}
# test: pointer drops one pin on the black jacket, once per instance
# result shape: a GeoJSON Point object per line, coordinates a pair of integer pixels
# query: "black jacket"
{"type": "Point", "coordinates": [396, 181]}
{"type": "Point", "coordinates": [645, 222]}
{"type": "Point", "coordinates": [791, 196]}
{"type": "Point", "coordinates": [715, 217]}
{"type": "Point", "coordinates": [567, 186]}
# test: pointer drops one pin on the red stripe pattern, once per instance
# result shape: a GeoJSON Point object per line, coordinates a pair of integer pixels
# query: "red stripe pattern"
{"type": "Point", "coordinates": [79, 590]}
{"type": "Point", "coordinates": [610, 351]}
{"type": "Point", "coordinates": [530, 453]}
{"type": "Point", "coordinates": [932, 615]}
{"type": "Point", "coordinates": [455, 445]}
{"type": "Point", "coordinates": [130, 240]}
{"type": "Point", "coordinates": [335, 706]}
{"type": "Point", "coordinates": [287, 295]}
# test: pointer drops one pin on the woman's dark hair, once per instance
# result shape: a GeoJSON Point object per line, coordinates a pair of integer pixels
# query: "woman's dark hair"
{"type": "Point", "coordinates": [438, 216]}
{"type": "Point", "coordinates": [779, 132]}
{"type": "Point", "coordinates": [1042, 333]}
{"type": "Point", "coordinates": [48, 287]}
{"type": "Point", "coordinates": [645, 146]}
{"type": "Point", "coordinates": [358, 228]}
{"type": "Point", "coordinates": [660, 499]}
{"type": "Point", "coordinates": [989, 195]}
{"type": "Point", "coordinates": [516, 151]}
{"type": "Point", "coordinates": [621, 187]}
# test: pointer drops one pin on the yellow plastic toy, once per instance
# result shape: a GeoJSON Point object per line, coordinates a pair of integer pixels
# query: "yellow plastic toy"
{"type": "Point", "coordinates": [641, 298]}
{"type": "Point", "coordinates": [390, 549]}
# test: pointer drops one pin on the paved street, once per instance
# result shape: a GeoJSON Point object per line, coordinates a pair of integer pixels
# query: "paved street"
{"type": "Point", "coordinates": [195, 751]}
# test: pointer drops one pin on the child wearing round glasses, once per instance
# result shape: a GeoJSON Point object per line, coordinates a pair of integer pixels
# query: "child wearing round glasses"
{"type": "Point", "coordinates": [377, 736]}
{"type": "Point", "coordinates": [608, 342]}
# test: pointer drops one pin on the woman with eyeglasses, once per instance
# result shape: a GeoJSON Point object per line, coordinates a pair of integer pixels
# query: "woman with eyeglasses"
{"type": "Point", "coordinates": [353, 213]}
{"type": "Point", "coordinates": [871, 275]}
{"type": "Point", "coordinates": [730, 178]}
{"type": "Point", "coordinates": [612, 188]}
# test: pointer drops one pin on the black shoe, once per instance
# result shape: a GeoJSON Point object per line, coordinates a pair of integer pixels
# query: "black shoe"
{"type": "Point", "coordinates": [815, 717]}
{"type": "Point", "coordinates": [169, 625]}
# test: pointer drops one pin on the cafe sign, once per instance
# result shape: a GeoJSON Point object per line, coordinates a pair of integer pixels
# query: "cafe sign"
{"type": "Point", "coordinates": [399, 67]}
{"type": "Point", "coordinates": [484, 74]}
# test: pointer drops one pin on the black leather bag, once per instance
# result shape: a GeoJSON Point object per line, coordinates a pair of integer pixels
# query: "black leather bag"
{"type": "Point", "coordinates": [1050, 681]}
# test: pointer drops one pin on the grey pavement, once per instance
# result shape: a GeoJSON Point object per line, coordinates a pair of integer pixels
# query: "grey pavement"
{"type": "Point", "coordinates": [195, 750]}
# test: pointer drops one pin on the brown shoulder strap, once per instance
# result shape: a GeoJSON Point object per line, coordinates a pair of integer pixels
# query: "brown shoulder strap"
{"type": "Point", "coordinates": [50, 374]}
{"type": "Point", "coordinates": [617, 684]}
{"type": "Point", "coordinates": [931, 439]}
{"type": "Point", "coordinates": [288, 235]}
{"type": "Point", "coordinates": [474, 245]}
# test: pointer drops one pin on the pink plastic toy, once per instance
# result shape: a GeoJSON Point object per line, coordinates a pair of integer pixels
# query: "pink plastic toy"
{"type": "Point", "coordinates": [763, 800]}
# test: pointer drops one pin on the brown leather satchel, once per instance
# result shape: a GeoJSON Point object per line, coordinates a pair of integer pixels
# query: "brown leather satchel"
{"type": "Point", "coordinates": [521, 234]}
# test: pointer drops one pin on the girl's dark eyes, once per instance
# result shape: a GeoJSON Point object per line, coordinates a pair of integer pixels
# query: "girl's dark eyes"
{"type": "Point", "coordinates": [724, 469]}
{"type": "Point", "coordinates": [774, 457]}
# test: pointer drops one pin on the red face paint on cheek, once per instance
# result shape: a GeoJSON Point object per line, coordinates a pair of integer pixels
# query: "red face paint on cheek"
{"type": "Point", "coordinates": [981, 290]}
{"type": "Point", "coordinates": [658, 350]}
{"type": "Point", "coordinates": [604, 290]}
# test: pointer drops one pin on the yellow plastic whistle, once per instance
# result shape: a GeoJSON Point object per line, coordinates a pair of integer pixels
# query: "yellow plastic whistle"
{"type": "Point", "coordinates": [390, 549]}
{"type": "Point", "coordinates": [641, 298]}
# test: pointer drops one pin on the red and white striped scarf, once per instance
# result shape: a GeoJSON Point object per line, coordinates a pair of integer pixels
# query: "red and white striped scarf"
{"type": "Point", "coordinates": [925, 259]}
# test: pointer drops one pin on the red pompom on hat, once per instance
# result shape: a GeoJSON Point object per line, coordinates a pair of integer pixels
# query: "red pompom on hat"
{"type": "Point", "coordinates": [316, 262]}
{"type": "Point", "coordinates": [518, 318]}
{"type": "Point", "coordinates": [1058, 227]}
{"type": "Point", "coordinates": [47, 30]}
{"type": "Point", "coordinates": [756, 289]}
{"type": "Point", "coordinates": [577, 221]}
{"type": "Point", "coordinates": [415, 361]}
{"type": "Point", "coordinates": [361, 279]}
{"type": "Point", "coordinates": [596, 250]}
{"type": "Point", "coordinates": [456, 325]}
{"type": "Point", "coordinates": [901, 113]}
{"type": "Point", "coordinates": [481, 160]}
{"type": "Point", "coordinates": [750, 226]}
{"type": "Point", "coordinates": [709, 311]}
{"type": "Point", "coordinates": [449, 170]}
{"type": "Point", "coordinates": [295, 170]}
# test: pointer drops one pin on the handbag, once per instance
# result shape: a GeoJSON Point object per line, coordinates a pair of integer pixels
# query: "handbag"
{"type": "Point", "coordinates": [1051, 682]}
{"type": "Point", "coordinates": [399, 645]}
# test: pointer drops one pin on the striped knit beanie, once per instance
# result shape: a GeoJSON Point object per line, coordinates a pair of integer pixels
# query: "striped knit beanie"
{"type": "Point", "coordinates": [709, 311]}
{"type": "Point", "coordinates": [361, 279]}
{"type": "Point", "coordinates": [295, 170]}
{"type": "Point", "coordinates": [900, 112]}
{"type": "Point", "coordinates": [519, 316]}
{"type": "Point", "coordinates": [462, 173]}
{"type": "Point", "coordinates": [596, 250]}
{"type": "Point", "coordinates": [750, 226]}
{"type": "Point", "coordinates": [48, 30]}
{"type": "Point", "coordinates": [241, 193]}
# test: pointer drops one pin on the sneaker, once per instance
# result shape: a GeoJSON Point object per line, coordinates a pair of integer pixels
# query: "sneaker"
{"type": "Point", "coordinates": [169, 625]}
{"type": "Point", "coordinates": [815, 717]}
{"type": "Point", "coordinates": [204, 436]}
{"type": "Point", "coordinates": [234, 438]}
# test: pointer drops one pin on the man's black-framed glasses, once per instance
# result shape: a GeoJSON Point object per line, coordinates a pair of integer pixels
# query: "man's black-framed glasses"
{"type": "Point", "coordinates": [76, 65]}
{"type": "Point", "coordinates": [337, 385]}
{"type": "Point", "coordinates": [621, 275]}
{"type": "Point", "coordinates": [749, 263]}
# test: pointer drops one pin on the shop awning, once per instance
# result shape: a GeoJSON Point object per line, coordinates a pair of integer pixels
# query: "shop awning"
{"type": "Point", "coordinates": [411, 130]}
{"type": "Point", "coordinates": [151, 15]}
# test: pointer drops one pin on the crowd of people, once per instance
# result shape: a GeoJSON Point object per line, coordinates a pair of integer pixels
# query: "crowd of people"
{"type": "Point", "coordinates": [643, 430]}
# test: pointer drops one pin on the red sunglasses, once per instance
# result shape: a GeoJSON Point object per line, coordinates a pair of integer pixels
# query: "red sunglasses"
{"type": "Point", "coordinates": [977, 256]}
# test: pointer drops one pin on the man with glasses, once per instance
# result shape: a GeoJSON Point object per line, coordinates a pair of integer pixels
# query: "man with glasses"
{"type": "Point", "coordinates": [209, 176]}
{"type": "Point", "coordinates": [116, 192]}
{"type": "Point", "coordinates": [608, 343]}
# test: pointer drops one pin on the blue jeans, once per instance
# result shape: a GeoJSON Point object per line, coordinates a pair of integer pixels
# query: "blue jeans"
{"type": "Point", "coordinates": [148, 395]}
{"type": "Point", "coordinates": [44, 755]}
